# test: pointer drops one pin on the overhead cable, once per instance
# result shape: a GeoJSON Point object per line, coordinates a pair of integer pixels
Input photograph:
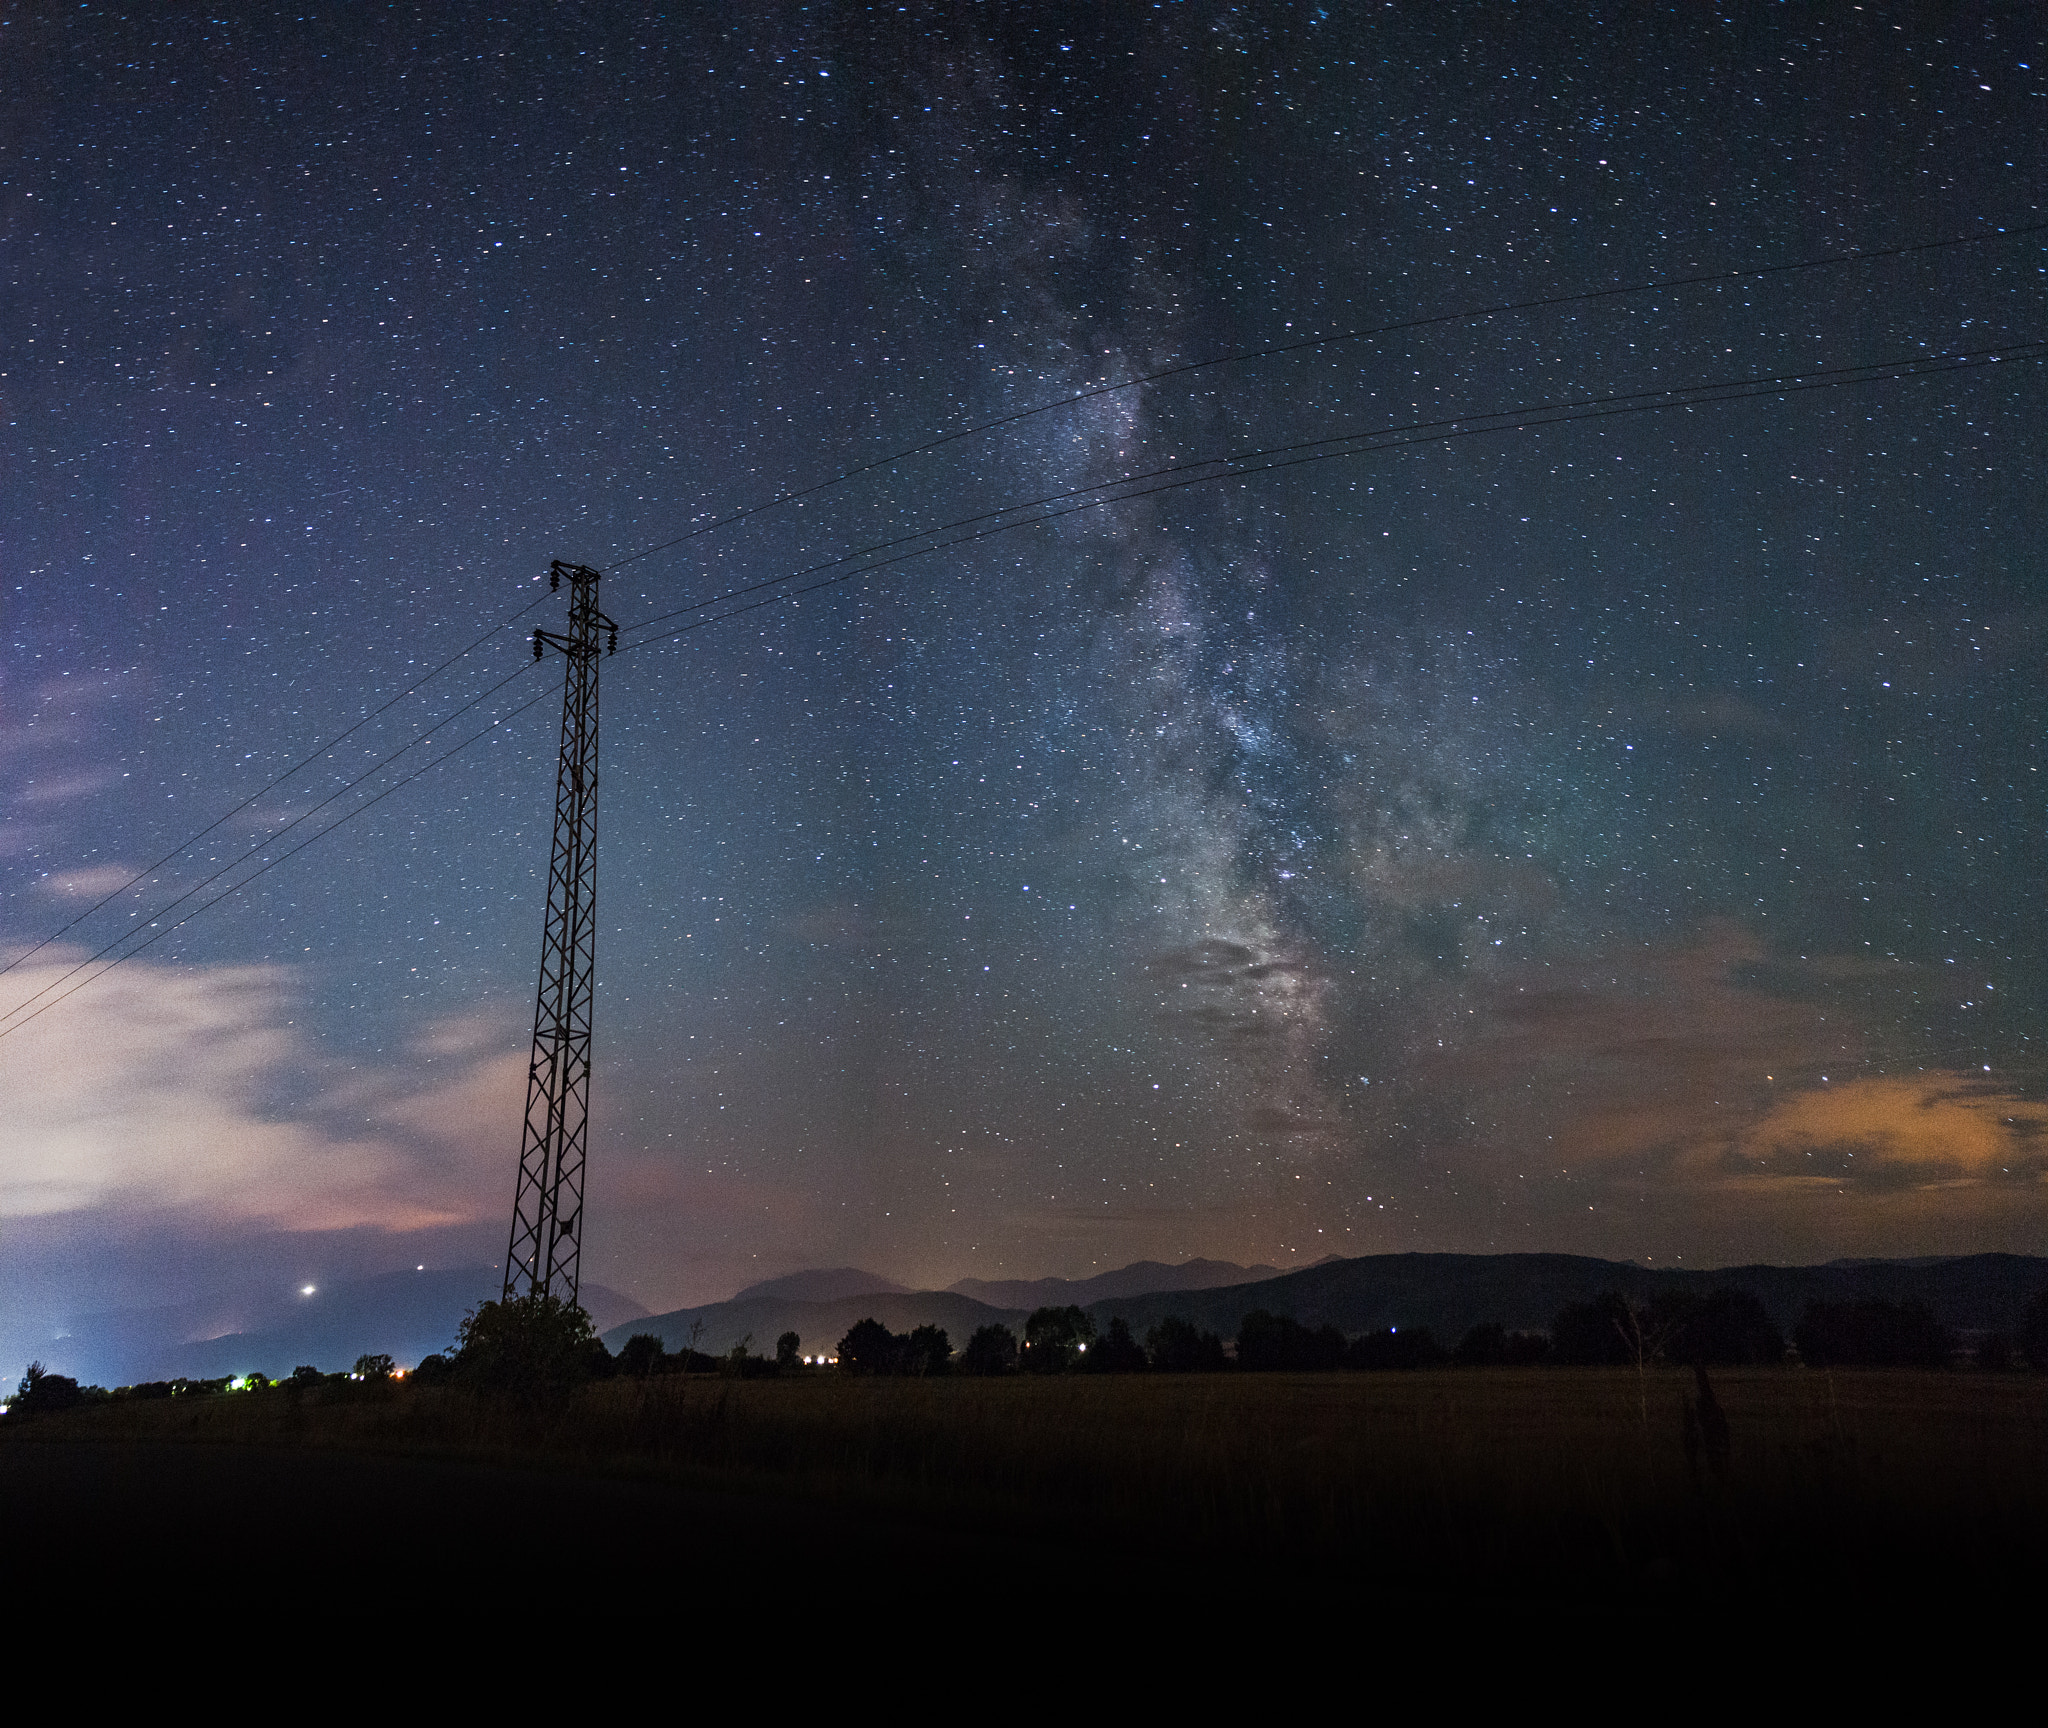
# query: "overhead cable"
{"type": "Point", "coordinates": [1053, 506]}
{"type": "Point", "coordinates": [1435, 320]}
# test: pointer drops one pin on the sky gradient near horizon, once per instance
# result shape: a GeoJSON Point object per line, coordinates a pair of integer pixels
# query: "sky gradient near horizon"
{"type": "Point", "coordinates": [1622, 837]}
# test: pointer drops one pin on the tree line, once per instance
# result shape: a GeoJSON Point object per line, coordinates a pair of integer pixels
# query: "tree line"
{"type": "Point", "coordinates": [542, 1348]}
{"type": "Point", "coordinates": [42, 1391]}
{"type": "Point", "coordinates": [1722, 1328]}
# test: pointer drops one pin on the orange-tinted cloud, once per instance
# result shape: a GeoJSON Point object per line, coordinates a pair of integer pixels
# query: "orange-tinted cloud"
{"type": "Point", "coordinates": [1885, 1133]}
{"type": "Point", "coordinates": [1718, 1101]}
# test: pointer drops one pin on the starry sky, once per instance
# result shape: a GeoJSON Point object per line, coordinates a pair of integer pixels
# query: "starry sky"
{"type": "Point", "coordinates": [1621, 835]}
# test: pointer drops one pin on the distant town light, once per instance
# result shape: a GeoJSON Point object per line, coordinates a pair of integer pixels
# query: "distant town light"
{"type": "Point", "coordinates": [305, 1289]}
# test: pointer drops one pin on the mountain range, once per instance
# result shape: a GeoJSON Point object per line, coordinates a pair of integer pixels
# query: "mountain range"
{"type": "Point", "coordinates": [1448, 1293]}
{"type": "Point", "coordinates": [409, 1314]}
{"type": "Point", "coordinates": [820, 1306]}
{"type": "Point", "coordinates": [1141, 1278]}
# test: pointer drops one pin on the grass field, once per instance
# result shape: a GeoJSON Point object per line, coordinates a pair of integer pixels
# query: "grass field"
{"type": "Point", "coordinates": [1473, 1481]}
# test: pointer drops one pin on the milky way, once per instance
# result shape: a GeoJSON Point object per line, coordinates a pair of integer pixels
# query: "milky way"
{"type": "Point", "coordinates": [1619, 836]}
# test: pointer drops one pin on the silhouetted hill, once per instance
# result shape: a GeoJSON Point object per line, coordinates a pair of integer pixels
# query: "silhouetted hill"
{"type": "Point", "coordinates": [827, 1286]}
{"type": "Point", "coordinates": [1451, 1292]}
{"type": "Point", "coordinates": [408, 1314]}
{"type": "Point", "coordinates": [819, 1324]}
{"type": "Point", "coordinates": [1138, 1279]}
{"type": "Point", "coordinates": [1445, 1292]}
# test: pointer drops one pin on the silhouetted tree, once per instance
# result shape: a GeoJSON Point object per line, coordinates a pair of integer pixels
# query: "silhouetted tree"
{"type": "Point", "coordinates": [531, 1347]}
{"type": "Point", "coordinates": [41, 1392]}
{"type": "Point", "coordinates": [432, 1370]}
{"type": "Point", "coordinates": [1722, 1329]}
{"type": "Point", "coordinates": [992, 1350]}
{"type": "Point", "coordinates": [1116, 1351]}
{"type": "Point", "coordinates": [640, 1356]}
{"type": "Point", "coordinates": [786, 1351]}
{"type": "Point", "coordinates": [869, 1347]}
{"type": "Point", "coordinates": [2033, 1336]}
{"type": "Point", "coordinates": [740, 1362]}
{"type": "Point", "coordinates": [927, 1350]}
{"type": "Point", "coordinates": [1268, 1341]}
{"type": "Point", "coordinates": [377, 1367]}
{"type": "Point", "coordinates": [1526, 1349]}
{"type": "Point", "coordinates": [1594, 1334]}
{"type": "Point", "coordinates": [305, 1374]}
{"type": "Point", "coordinates": [1263, 1339]}
{"type": "Point", "coordinates": [1483, 1346]}
{"type": "Point", "coordinates": [1178, 1346]}
{"type": "Point", "coordinates": [1872, 1334]}
{"type": "Point", "coordinates": [1055, 1338]}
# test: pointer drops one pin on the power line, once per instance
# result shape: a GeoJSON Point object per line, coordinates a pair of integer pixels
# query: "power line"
{"type": "Point", "coordinates": [1246, 463]}
{"type": "Point", "coordinates": [1659, 284]}
{"type": "Point", "coordinates": [989, 523]}
{"type": "Point", "coordinates": [263, 869]}
{"type": "Point", "coordinates": [261, 846]}
{"type": "Point", "coordinates": [1307, 343]}
{"type": "Point", "coordinates": [304, 762]}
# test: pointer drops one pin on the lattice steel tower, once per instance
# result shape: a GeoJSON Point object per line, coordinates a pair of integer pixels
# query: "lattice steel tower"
{"type": "Point", "coordinates": [547, 1208]}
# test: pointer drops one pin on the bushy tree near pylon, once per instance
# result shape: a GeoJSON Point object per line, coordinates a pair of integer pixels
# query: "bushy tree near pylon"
{"type": "Point", "coordinates": [531, 1347]}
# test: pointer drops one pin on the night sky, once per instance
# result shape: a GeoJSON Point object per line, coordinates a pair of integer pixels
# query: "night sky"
{"type": "Point", "coordinates": [1623, 837]}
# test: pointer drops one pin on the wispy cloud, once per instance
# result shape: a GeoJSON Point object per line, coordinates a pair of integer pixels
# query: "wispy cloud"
{"type": "Point", "coordinates": [92, 882]}
{"type": "Point", "coordinates": [157, 1091]}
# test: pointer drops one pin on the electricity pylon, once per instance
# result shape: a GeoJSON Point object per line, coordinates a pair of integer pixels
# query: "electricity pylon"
{"type": "Point", "coordinates": [543, 1256]}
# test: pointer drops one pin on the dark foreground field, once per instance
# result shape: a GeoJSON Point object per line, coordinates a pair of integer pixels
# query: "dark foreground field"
{"type": "Point", "coordinates": [1547, 1487]}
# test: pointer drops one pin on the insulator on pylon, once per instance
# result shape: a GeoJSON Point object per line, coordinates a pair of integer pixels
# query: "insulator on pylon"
{"type": "Point", "coordinates": [554, 580]}
{"type": "Point", "coordinates": [538, 650]}
{"type": "Point", "coordinates": [612, 647]}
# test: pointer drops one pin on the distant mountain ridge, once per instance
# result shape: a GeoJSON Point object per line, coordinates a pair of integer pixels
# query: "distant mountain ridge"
{"type": "Point", "coordinates": [820, 1306]}
{"type": "Point", "coordinates": [828, 1286]}
{"type": "Point", "coordinates": [716, 1327]}
{"type": "Point", "coordinates": [1448, 1293]}
{"type": "Point", "coordinates": [1140, 1278]}
{"type": "Point", "coordinates": [408, 1314]}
